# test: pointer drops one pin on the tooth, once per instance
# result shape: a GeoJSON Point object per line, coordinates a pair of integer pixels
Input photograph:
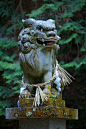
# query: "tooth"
{"type": "Point", "coordinates": [43, 44]}
{"type": "Point", "coordinates": [42, 40]}
{"type": "Point", "coordinates": [41, 29]}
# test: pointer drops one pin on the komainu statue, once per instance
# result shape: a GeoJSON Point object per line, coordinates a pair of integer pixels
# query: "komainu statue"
{"type": "Point", "coordinates": [42, 76]}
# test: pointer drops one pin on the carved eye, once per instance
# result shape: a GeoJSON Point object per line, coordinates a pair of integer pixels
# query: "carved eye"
{"type": "Point", "coordinates": [52, 29]}
{"type": "Point", "coordinates": [39, 27]}
{"type": "Point", "coordinates": [47, 28]}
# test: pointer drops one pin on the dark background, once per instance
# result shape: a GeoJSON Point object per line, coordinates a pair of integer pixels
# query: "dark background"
{"type": "Point", "coordinates": [70, 18]}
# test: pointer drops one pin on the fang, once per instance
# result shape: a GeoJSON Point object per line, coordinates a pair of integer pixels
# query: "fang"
{"type": "Point", "coordinates": [43, 44]}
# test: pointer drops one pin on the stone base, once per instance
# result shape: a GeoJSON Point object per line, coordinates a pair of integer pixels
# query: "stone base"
{"type": "Point", "coordinates": [40, 123]}
{"type": "Point", "coordinates": [28, 102]}
{"type": "Point", "coordinates": [41, 112]}
{"type": "Point", "coordinates": [42, 117]}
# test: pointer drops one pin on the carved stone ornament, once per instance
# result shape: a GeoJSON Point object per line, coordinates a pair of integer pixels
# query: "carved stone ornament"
{"type": "Point", "coordinates": [43, 79]}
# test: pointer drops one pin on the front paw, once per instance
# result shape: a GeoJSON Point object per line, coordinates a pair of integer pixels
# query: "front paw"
{"type": "Point", "coordinates": [47, 92]}
{"type": "Point", "coordinates": [24, 94]}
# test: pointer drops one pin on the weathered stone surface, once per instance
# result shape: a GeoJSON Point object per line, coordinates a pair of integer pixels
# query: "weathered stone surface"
{"type": "Point", "coordinates": [41, 112]}
{"type": "Point", "coordinates": [28, 102]}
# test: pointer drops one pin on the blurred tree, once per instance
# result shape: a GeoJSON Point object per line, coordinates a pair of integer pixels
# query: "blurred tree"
{"type": "Point", "coordinates": [9, 64]}
{"type": "Point", "coordinates": [70, 19]}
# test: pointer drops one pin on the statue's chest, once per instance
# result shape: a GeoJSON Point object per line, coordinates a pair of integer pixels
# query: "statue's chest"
{"type": "Point", "coordinates": [38, 61]}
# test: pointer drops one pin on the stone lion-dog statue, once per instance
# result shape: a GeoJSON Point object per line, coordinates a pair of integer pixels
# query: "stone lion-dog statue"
{"type": "Point", "coordinates": [38, 45]}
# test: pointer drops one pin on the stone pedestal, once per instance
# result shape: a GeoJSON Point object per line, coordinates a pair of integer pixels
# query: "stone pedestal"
{"type": "Point", "coordinates": [42, 117]}
{"type": "Point", "coordinates": [42, 123]}
{"type": "Point", "coordinates": [52, 114]}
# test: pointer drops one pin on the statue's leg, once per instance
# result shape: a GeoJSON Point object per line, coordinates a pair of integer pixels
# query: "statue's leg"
{"type": "Point", "coordinates": [47, 77]}
{"type": "Point", "coordinates": [26, 89]}
{"type": "Point", "coordinates": [23, 93]}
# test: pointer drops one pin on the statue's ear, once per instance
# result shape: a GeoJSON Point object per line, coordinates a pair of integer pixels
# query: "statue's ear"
{"type": "Point", "coordinates": [53, 21]}
{"type": "Point", "coordinates": [58, 37]}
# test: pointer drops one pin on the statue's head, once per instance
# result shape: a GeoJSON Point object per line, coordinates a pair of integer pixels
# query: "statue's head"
{"type": "Point", "coordinates": [39, 33]}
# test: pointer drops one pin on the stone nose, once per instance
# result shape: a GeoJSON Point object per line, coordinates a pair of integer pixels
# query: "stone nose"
{"type": "Point", "coordinates": [25, 38]}
{"type": "Point", "coordinates": [25, 45]}
{"type": "Point", "coordinates": [51, 34]}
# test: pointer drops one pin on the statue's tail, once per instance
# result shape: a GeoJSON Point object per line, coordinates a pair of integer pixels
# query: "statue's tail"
{"type": "Point", "coordinates": [62, 77]}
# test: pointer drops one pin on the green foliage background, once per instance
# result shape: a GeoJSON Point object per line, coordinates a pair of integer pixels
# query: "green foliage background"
{"type": "Point", "coordinates": [70, 18]}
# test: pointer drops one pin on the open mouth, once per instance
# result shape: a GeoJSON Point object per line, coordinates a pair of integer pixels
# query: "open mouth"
{"type": "Point", "coordinates": [46, 43]}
